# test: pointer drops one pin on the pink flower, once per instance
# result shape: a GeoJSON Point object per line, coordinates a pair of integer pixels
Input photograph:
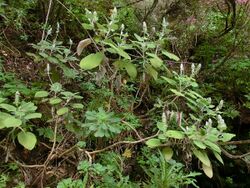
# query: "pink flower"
{"type": "Point", "coordinates": [191, 20]}
{"type": "Point", "coordinates": [241, 1]}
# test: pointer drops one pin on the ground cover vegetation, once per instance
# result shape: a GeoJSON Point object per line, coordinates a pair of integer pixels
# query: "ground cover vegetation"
{"type": "Point", "coordinates": [115, 93]}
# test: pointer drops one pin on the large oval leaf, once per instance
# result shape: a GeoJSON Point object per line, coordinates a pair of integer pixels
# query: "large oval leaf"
{"type": "Point", "coordinates": [92, 61]}
{"type": "Point", "coordinates": [122, 53]}
{"type": "Point", "coordinates": [202, 156]}
{"type": "Point", "coordinates": [154, 142]}
{"type": "Point", "coordinates": [218, 157]}
{"type": "Point", "coordinates": [167, 153]}
{"type": "Point", "coordinates": [55, 100]}
{"type": "Point", "coordinates": [33, 116]}
{"type": "Point", "coordinates": [177, 93]}
{"type": "Point", "coordinates": [152, 72]}
{"type": "Point", "coordinates": [125, 64]}
{"type": "Point", "coordinates": [199, 144]}
{"type": "Point", "coordinates": [118, 50]}
{"type": "Point", "coordinates": [41, 94]}
{"type": "Point", "coordinates": [131, 69]}
{"type": "Point", "coordinates": [156, 63]}
{"type": "Point", "coordinates": [77, 105]}
{"type": "Point", "coordinates": [208, 170]}
{"type": "Point", "coordinates": [170, 55]}
{"type": "Point", "coordinates": [170, 81]}
{"type": "Point", "coordinates": [27, 140]}
{"type": "Point", "coordinates": [212, 146]}
{"type": "Point", "coordinates": [227, 136]}
{"type": "Point", "coordinates": [3, 117]}
{"type": "Point", "coordinates": [8, 107]}
{"type": "Point", "coordinates": [12, 122]}
{"type": "Point", "coordinates": [62, 111]}
{"type": "Point", "coordinates": [175, 134]}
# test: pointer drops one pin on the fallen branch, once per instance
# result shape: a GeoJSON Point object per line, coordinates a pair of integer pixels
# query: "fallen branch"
{"type": "Point", "coordinates": [235, 142]}
{"type": "Point", "coordinates": [123, 142]}
{"type": "Point", "coordinates": [136, 132]}
{"type": "Point", "coordinates": [88, 153]}
{"type": "Point", "coordinates": [231, 156]}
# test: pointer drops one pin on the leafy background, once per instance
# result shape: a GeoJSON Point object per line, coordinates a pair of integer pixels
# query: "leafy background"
{"type": "Point", "coordinates": [121, 93]}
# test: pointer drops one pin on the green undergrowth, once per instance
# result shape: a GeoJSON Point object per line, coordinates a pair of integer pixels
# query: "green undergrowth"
{"type": "Point", "coordinates": [118, 108]}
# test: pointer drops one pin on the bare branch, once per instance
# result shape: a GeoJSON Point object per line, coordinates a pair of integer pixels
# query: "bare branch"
{"type": "Point", "coordinates": [238, 142]}
{"type": "Point", "coordinates": [123, 142]}
{"type": "Point", "coordinates": [231, 156]}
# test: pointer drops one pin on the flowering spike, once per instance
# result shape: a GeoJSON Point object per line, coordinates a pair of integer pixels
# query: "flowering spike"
{"type": "Point", "coordinates": [17, 98]}
{"type": "Point", "coordinates": [181, 69]}
{"type": "Point", "coordinates": [145, 29]}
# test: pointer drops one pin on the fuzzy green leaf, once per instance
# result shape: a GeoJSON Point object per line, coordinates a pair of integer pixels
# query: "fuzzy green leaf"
{"type": "Point", "coordinates": [8, 107]}
{"type": "Point", "coordinates": [118, 50]}
{"type": "Point", "coordinates": [12, 122]}
{"type": "Point", "coordinates": [77, 106]}
{"type": "Point", "coordinates": [170, 81]}
{"type": "Point", "coordinates": [162, 126]}
{"type": "Point", "coordinates": [27, 140]}
{"type": "Point", "coordinates": [199, 144]}
{"type": "Point", "coordinates": [156, 63]}
{"type": "Point", "coordinates": [152, 72]}
{"type": "Point", "coordinates": [227, 136]}
{"type": "Point", "coordinates": [202, 156]}
{"type": "Point", "coordinates": [177, 93]}
{"type": "Point", "coordinates": [92, 61]}
{"type": "Point", "coordinates": [218, 157]}
{"type": "Point", "coordinates": [212, 146]}
{"type": "Point", "coordinates": [170, 55]}
{"type": "Point", "coordinates": [33, 116]}
{"type": "Point", "coordinates": [167, 153]}
{"type": "Point", "coordinates": [54, 101]}
{"type": "Point", "coordinates": [154, 142]}
{"type": "Point", "coordinates": [3, 117]}
{"type": "Point", "coordinates": [175, 134]}
{"type": "Point", "coordinates": [62, 111]}
{"type": "Point", "coordinates": [208, 170]}
{"type": "Point", "coordinates": [131, 69]}
{"type": "Point", "coordinates": [41, 94]}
